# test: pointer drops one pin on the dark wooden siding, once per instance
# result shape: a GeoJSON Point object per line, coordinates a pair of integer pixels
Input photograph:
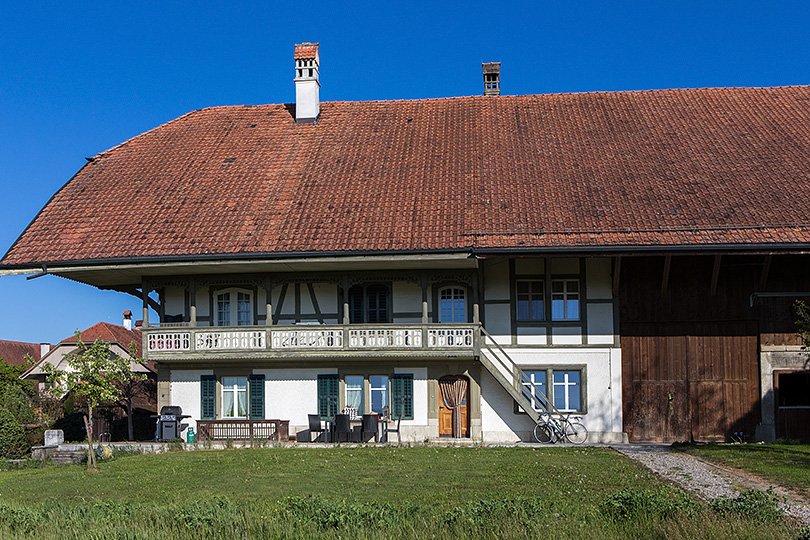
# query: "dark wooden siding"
{"type": "Point", "coordinates": [691, 358]}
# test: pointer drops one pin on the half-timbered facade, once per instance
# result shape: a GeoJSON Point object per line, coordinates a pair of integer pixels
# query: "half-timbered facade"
{"type": "Point", "coordinates": [628, 256]}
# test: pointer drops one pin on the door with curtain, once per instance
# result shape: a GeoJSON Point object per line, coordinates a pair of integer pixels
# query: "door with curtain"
{"type": "Point", "coordinates": [454, 419]}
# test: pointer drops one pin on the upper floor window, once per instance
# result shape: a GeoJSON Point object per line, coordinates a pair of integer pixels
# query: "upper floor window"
{"type": "Point", "coordinates": [452, 305]}
{"type": "Point", "coordinates": [565, 300]}
{"type": "Point", "coordinates": [530, 305]}
{"type": "Point", "coordinates": [234, 308]}
{"type": "Point", "coordinates": [369, 304]}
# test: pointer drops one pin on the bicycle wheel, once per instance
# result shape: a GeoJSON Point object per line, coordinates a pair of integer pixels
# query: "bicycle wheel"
{"type": "Point", "coordinates": [543, 434]}
{"type": "Point", "coordinates": [575, 433]}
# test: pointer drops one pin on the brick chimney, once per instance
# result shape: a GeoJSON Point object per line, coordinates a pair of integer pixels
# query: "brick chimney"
{"type": "Point", "coordinates": [307, 83]}
{"type": "Point", "coordinates": [128, 320]}
{"type": "Point", "coordinates": [492, 78]}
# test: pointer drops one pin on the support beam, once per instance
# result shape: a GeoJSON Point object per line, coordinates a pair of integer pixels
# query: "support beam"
{"type": "Point", "coordinates": [192, 295]}
{"type": "Point", "coordinates": [665, 277]}
{"type": "Point", "coordinates": [424, 299]}
{"type": "Point", "coordinates": [345, 285]}
{"type": "Point", "coordinates": [715, 275]}
{"type": "Point", "coordinates": [766, 268]}
{"type": "Point", "coordinates": [145, 298]}
{"type": "Point", "coordinates": [268, 290]}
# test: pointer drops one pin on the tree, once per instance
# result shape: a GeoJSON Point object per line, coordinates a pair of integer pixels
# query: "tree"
{"type": "Point", "coordinates": [135, 388]}
{"type": "Point", "coordinates": [93, 375]}
{"type": "Point", "coordinates": [12, 437]}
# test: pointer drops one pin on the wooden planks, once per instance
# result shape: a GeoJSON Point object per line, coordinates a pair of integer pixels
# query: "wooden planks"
{"type": "Point", "coordinates": [690, 380]}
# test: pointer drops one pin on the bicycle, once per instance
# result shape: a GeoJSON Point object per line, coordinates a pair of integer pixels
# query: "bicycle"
{"type": "Point", "coordinates": [551, 430]}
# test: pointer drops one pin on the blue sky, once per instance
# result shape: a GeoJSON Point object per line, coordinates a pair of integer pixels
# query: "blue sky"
{"type": "Point", "coordinates": [78, 78]}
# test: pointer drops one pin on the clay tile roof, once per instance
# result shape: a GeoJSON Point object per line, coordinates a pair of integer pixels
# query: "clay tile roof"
{"type": "Point", "coordinates": [111, 333]}
{"type": "Point", "coordinates": [13, 352]}
{"type": "Point", "coordinates": [698, 167]}
{"type": "Point", "coordinates": [306, 50]}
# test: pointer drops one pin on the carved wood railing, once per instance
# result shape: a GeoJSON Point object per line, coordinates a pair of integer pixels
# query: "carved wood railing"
{"type": "Point", "coordinates": [455, 338]}
{"type": "Point", "coordinates": [243, 430]}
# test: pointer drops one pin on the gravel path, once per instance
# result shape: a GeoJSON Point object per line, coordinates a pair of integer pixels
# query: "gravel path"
{"type": "Point", "coordinates": [707, 480]}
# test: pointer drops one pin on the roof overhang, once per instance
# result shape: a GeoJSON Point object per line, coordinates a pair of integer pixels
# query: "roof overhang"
{"type": "Point", "coordinates": [109, 274]}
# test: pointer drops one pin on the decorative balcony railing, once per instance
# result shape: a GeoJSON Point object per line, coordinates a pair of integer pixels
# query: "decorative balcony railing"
{"type": "Point", "coordinates": [327, 339]}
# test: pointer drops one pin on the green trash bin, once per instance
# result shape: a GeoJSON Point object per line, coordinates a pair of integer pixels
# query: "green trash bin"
{"type": "Point", "coordinates": [190, 435]}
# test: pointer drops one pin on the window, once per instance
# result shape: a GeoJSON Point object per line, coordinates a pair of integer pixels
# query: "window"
{"type": "Point", "coordinates": [354, 393]}
{"type": "Point", "coordinates": [368, 304]}
{"type": "Point", "coordinates": [241, 397]}
{"type": "Point", "coordinates": [565, 300]}
{"type": "Point", "coordinates": [452, 305]}
{"type": "Point", "coordinates": [233, 306]}
{"type": "Point", "coordinates": [379, 392]}
{"type": "Point", "coordinates": [530, 300]}
{"type": "Point", "coordinates": [538, 378]}
{"type": "Point", "coordinates": [565, 391]}
{"type": "Point", "coordinates": [234, 397]}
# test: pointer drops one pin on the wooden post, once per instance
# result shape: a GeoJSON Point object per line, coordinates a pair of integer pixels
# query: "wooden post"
{"type": "Point", "coordinates": [424, 299]}
{"type": "Point", "coordinates": [145, 295]}
{"type": "Point", "coordinates": [193, 303]}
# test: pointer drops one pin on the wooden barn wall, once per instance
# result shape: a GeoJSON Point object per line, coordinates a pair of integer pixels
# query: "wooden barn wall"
{"type": "Point", "coordinates": [691, 358]}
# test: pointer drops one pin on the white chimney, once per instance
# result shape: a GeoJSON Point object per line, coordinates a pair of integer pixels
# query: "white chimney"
{"type": "Point", "coordinates": [307, 83]}
{"type": "Point", "coordinates": [128, 320]}
{"type": "Point", "coordinates": [44, 348]}
{"type": "Point", "coordinates": [492, 78]}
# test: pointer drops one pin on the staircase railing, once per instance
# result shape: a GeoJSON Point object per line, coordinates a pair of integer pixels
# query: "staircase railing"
{"type": "Point", "coordinates": [513, 379]}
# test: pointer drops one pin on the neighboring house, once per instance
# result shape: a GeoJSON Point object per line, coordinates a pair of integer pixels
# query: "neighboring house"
{"type": "Point", "coordinates": [119, 338]}
{"type": "Point", "coordinates": [18, 352]}
{"type": "Point", "coordinates": [633, 255]}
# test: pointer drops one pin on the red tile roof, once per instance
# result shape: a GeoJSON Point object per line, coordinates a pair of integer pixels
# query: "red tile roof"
{"type": "Point", "coordinates": [13, 352]}
{"type": "Point", "coordinates": [111, 333]}
{"type": "Point", "coordinates": [698, 167]}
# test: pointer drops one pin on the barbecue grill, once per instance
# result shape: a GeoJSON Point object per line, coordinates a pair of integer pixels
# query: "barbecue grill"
{"type": "Point", "coordinates": [169, 423]}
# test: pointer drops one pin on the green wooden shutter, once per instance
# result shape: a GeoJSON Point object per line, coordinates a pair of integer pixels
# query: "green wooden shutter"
{"type": "Point", "coordinates": [208, 397]}
{"type": "Point", "coordinates": [256, 398]}
{"type": "Point", "coordinates": [328, 390]}
{"type": "Point", "coordinates": [402, 395]}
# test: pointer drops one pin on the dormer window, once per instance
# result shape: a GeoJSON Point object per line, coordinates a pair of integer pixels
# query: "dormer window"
{"type": "Point", "coordinates": [234, 308]}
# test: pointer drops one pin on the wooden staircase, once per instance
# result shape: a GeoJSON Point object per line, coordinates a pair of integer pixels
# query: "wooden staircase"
{"type": "Point", "coordinates": [512, 378]}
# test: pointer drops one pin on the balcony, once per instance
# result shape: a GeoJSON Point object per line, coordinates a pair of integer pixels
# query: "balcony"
{"type": "Point", "coordinates": [167, 343]}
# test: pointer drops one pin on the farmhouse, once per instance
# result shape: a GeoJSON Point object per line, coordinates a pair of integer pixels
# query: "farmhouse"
{"type": "Point", "coordinates": [631, 257]}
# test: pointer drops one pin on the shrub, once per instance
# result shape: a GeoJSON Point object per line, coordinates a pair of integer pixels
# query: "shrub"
{"type": "Point", "coordinates": [663, 502]}
{"type": "Point", "coordinates": [18, 402]}
{"type": "Point", "coordinates": [755, 505]}
{"type": "Point", "coordinates": [12, 437]}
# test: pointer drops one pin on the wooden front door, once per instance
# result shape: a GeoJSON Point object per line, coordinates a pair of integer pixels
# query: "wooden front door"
{"type": "Point", "coordinates": [446, 413]}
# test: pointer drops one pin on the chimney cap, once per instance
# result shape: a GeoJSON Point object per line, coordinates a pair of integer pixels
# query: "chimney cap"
{"type": "Point", "coordinates": [127, 313]}
{"type": "Point", "coordinates": [306, 50]}
{"type": "Point", "coordinates": [491, 67]}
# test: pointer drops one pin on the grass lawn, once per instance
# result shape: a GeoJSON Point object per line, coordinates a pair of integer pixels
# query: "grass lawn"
{"type": "Point", "coordinates": [784, 464]}
{"type": "Point", "coordinates": [361, 492]}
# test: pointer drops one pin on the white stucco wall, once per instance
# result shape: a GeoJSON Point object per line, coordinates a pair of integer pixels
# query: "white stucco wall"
{"type": "Point", "coordinates": [601, 369]}
{"type": "Point", "coordinates": [184, 390]}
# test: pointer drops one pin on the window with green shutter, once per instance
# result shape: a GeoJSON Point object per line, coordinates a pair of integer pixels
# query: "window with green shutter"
{"type": "Point", "coordinates": [208, 397]}
{"type": "Point", "coordinates": [328, 390]}
{"type": "Point", "coordinates": [402, 396]}
{"type": "Point", "coordinates": [256, 391]}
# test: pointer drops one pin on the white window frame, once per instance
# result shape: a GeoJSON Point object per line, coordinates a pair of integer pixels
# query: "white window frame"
{"type": "Point", "coordinates": [552, 390]}
{"type": "Point", "coordinates": [235, 390]}
{"type": "Point", "coordinates": [231, 299]}
{"type": "Point", "coordinates": [361, 391]}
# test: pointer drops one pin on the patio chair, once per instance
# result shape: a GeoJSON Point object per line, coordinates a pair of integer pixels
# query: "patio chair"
{"type": "Point", "coordinates": [352, 412]}
{"type": "Point", "coordinates": [343, 426]}
{"type": "Point", "coordinates": [370, 427]}
{"type": "Point", "coordinates": [394, 430]}
{"type": "Point", "coordinates": [315, 427]}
